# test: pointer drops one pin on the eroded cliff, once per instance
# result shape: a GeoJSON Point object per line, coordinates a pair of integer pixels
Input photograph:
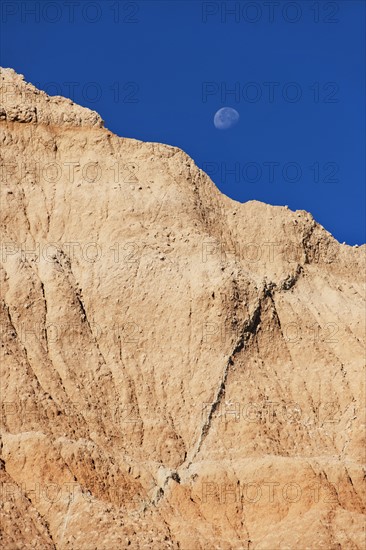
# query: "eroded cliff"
{"type": "Point", "coordinates": [179, 370]}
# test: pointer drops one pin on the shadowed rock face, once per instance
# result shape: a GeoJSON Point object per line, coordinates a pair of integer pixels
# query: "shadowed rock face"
{"type": "Point", "coordinates": [179, 370]}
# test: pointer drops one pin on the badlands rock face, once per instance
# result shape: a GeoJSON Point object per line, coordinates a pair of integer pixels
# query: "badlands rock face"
{"type": "Point", "coordinates": [178, 370]}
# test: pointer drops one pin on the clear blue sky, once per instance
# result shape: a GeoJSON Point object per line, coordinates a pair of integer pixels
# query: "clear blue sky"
{"type": "Point", "coordinates": [159, 70]}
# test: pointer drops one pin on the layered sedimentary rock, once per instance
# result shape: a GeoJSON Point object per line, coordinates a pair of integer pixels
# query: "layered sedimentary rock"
{"type": "Point", "coordinates": [178, 370]}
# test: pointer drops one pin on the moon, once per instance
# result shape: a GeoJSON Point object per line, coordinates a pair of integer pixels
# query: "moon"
{"type": "Point", "coordinates": [226, 118]}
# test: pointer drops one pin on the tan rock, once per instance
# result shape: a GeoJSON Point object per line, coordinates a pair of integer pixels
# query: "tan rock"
{"type": "Point", "coordinates": [173, 375]}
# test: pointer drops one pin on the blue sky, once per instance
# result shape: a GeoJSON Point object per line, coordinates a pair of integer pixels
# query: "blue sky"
{"type": "Point", "coordinates": [159, 70]}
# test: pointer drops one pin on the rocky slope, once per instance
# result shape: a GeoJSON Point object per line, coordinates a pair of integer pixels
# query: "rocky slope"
{"type": "Point", "coordinates": [178, 370]}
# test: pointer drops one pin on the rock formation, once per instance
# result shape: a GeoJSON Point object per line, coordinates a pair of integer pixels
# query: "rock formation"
{"type": "Point", "coordinates": [178, 370]}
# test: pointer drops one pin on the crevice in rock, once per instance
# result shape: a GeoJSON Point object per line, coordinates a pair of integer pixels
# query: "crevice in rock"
{"type": "Point", "coordinates": [250, 329]}
{"type": "Point", "coordinates": [305, 241]}
{"type": "Point", "coordinates": [45, 316]}
{"type": "Point", "coordinates": [85, 318]}
{"type": "Point", "coordinates": [291, 279]}
{"type": "Point", "coordinates": [43, 520]}
{"type": "Point", "coordinates": [161, 490]}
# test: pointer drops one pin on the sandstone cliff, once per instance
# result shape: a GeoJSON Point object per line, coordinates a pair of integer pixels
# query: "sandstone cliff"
{"type": "Point", "coordinates": [178, 370]}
